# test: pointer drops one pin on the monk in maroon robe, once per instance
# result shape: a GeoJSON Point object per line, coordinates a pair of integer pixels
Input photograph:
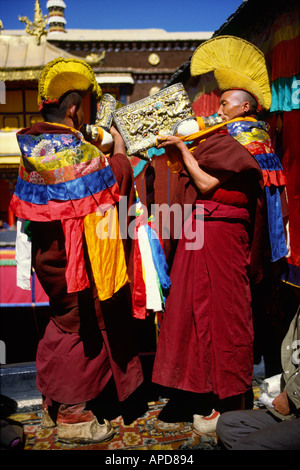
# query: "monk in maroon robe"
{"type": "Point", "coordinates": [205, 345]}
{"type": "Point", "coordinates": [87, 342]}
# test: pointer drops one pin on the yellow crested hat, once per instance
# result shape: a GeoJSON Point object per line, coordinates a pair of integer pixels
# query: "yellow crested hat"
{"type": "Point", "coordinates": [237, 64]}
{"type": "Point", "coordinates": [63, 75]}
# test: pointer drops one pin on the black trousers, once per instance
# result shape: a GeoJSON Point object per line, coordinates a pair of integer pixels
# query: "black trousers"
{"type": "Point", "coordinates": [258, 430]}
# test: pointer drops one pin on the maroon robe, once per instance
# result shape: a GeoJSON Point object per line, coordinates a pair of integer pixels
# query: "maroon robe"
{"type": "Point", "coordinates": [86, 341]}
{"type": "Point", "coordinates": [206, 336]}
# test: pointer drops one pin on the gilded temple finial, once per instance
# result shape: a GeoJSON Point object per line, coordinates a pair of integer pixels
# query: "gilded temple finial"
{"type": "Point", "coordinates": [37, 27]}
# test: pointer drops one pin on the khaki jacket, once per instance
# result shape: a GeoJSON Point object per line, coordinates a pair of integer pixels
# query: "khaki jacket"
{"type": "Point", "coordinates": [290, 360]}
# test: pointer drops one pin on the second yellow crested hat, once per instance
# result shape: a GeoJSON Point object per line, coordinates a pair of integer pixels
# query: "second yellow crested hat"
{"type": "Point", "coordinates": [62, 75]}
{"type": "Point", "coordinates": [236, 63]}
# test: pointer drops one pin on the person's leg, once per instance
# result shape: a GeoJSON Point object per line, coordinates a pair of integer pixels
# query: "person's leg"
{"type": "Point", "coordinates": [68, 377]}
{"type": "Point", "coordinates": [183, 405]}
{"type": "Point", "coordinates": [234, 425]}
{"type": "Point", "coordinates": [257, 430]}
{"type": "Point", "coordinates": [49, 413]}
{"type": "Point", "coordinates": [284, 435]}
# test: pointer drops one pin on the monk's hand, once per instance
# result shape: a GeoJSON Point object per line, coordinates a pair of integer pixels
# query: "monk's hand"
{"type": "Point", "coordinates": [119, 145]}
{"type": "Point", "coordinates": [163, 141]}
{"type": "Point", "coordinates": [281, 404]}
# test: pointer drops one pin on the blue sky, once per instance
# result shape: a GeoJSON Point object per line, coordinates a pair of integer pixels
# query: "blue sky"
{"type": "Point", "coordinates": [171, 15]}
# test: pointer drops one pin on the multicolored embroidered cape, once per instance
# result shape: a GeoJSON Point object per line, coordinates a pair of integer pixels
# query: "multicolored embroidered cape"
{"type": "Point", "coordinates": [61, 177]}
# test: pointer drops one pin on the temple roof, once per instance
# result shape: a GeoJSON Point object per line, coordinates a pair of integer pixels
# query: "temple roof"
{"type": "Point", "coordinates": [21, 58]}
{"type": "Point", "coordinates": [120, 35]}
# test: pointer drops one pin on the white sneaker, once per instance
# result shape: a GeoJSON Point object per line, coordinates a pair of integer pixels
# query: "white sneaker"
{"type": "Point", "coordinates": [203, 424]}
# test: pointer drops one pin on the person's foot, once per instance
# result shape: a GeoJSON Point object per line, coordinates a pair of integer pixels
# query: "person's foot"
{"type": "Point", "coordinates": [174, 412]}
{"type": "Point", "coordinates": [76, 424]}
{"type": "Point", "coordinates": [88, 432]}
{"type": "Point", "coordinates": [49, 416]}
{"type": "Point", "coordinates": [203, 424]}
{"type": "Point", "coordinates": [47, 421]}
{"type": "Point", "coordinates": [182, 406]}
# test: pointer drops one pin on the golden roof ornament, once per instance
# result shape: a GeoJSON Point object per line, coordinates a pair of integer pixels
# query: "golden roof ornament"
{"type": "Point", "coordinates": [94, 59]}
{"type": "Point", "coordinates": [37, 27]}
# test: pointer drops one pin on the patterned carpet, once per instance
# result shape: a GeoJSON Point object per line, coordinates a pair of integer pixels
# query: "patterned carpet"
{"type": "Point", "coordinates": [146, 433]}
{"type": "Point", "coordinates": [138, 429]}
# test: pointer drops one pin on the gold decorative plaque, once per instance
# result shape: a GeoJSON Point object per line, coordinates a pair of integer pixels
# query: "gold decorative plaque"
{"type": "Point", "coordinates": [141, 122]}
{"type": "Point", "coordinates": [154, 59]}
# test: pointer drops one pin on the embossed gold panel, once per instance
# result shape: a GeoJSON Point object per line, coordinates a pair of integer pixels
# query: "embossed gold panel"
{"type": "Point", "coordinates": [141, 122]}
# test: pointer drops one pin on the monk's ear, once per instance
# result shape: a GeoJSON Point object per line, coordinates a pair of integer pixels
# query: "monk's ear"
{"type": "Point", "coordinates": [71, 111]}
{"type": "Point", "coordinates": [246, 106]}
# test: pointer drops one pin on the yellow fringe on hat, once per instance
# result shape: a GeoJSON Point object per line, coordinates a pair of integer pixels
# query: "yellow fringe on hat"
{"type": "Point", "coordinates": [63, 75]}
{"type": "Point", "coordinates": [236, 63]}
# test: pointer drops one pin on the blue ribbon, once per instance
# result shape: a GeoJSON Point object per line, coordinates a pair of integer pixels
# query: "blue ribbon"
{"type": "Point", "coordinates": [275, 223]}
{"type": "Point", "coordinates": [159, 259]}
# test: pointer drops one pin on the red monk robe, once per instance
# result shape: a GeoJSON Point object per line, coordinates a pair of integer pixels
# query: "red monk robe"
{"type": "Point", "coordinates": [206, 337]}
